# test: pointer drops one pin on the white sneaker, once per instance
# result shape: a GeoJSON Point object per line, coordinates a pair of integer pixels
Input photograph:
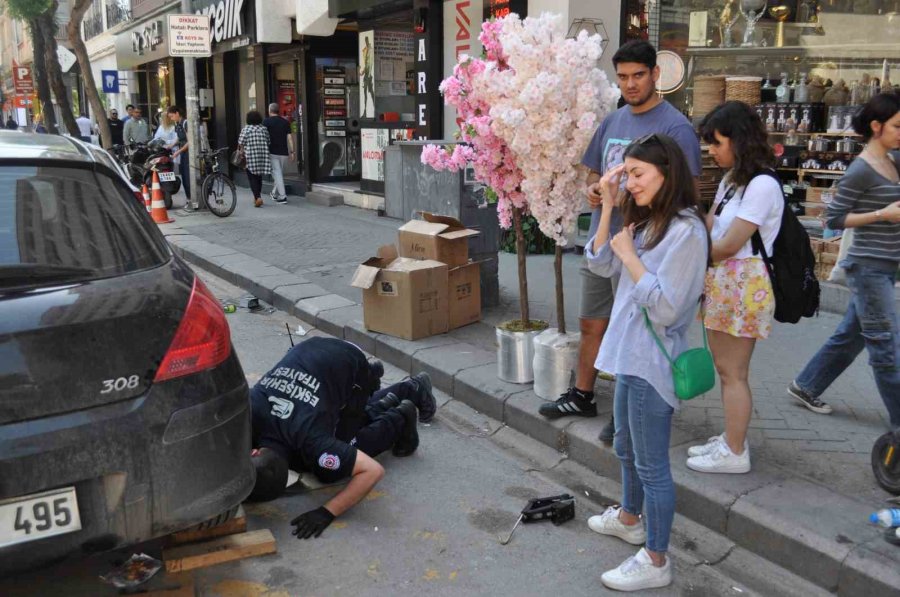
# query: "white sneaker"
{"type": "Point", "coordinates": [707, 447]}
{"type": "Point", "coordinates": [721, 460]}
{"type": "Point", "coordinates": [608, 523]}
{"type": "Point", "coordinates": [638, 573]}
{"type": "Point", "coordinates": [710, 445]}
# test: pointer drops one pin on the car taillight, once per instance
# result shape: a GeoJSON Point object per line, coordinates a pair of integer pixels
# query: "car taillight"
{"type": "Point", "coordinates": [202, 340]}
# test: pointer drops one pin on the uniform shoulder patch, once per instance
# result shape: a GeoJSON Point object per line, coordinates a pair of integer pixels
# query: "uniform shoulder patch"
{"type": "Point", "coordinates": [332, 462]}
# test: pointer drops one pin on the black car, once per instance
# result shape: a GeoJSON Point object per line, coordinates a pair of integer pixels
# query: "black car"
{"type": "Point", "coordinates": [124, 411]}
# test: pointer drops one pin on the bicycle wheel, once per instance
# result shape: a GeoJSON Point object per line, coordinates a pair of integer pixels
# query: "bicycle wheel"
{"type": "Point", "coordinates": [221, 198]}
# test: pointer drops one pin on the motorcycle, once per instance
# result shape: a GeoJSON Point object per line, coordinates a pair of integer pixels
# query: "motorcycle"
{"type": "Point", "coordinates": [146, 158]}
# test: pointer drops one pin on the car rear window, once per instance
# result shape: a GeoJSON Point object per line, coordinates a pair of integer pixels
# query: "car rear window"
{"type": "Point", "coordinates": [62, 224]}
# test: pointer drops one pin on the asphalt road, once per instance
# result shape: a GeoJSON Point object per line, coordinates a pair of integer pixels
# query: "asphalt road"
{"type": "Point", "coordinates": [431, 526]}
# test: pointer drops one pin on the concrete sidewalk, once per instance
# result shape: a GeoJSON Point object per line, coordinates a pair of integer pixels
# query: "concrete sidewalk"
{"type": "Point", "coordinates": [805, 504]}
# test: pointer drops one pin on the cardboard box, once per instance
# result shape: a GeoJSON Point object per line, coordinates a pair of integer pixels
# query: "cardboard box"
{"type": "Point", "coordinates": [464, 295]}
{"type": "Point", "coordinates": [832, 245]}
{"type": "Point", "coordinates": [440, 238]}
{"type": "Point", "coordinates": [403, 297]}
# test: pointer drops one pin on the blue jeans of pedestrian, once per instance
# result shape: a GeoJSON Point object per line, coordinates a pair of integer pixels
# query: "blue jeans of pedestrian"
{"type": "Point", "coordinates": [871, 323]}
{"type": "Point", "coordinates": [643, 429]}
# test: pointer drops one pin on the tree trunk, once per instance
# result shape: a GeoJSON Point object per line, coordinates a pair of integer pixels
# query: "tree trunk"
{"type": "Point", "coordinates": [40, 78]}
{"type": "Point", "coordinates": [521, 249]}
{"type": "Point", "coordinates": [84, 61]}
{"type": "Point", "coordinates": [54, 72]}
{"type": "Point", "coordinates": [560, 301]}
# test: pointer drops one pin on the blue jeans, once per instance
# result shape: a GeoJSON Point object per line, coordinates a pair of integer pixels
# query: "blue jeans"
{"type": "Point", "coordinates": [643, 429]}
{"type": "Point", "coordinates": [871, 323]}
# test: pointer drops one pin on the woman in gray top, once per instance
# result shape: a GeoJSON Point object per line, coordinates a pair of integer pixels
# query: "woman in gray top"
{"type": "Point", "coordinates": [868, 200]}
{"type": "Point", "coordinates": [661, 255]}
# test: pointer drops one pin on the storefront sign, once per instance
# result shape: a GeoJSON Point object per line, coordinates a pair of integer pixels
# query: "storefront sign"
{"type": "Point", "coordinates": [331, 133]}
{"type": "Point", "coordinates": [373, 142]}
{"type": "Point", "coordinates": [147, 39]}
{"type": "Point", "coordinates": [497, 9]}
{"type": "Point", "coordinates": [189, 35]}
{"type": "Point", "coordinates": [462, 24]}
{"type": "Point", "coordinates": [336, 123]}
{"type": "Point", "coordinates": [334, 80]}
{"type": "Point", "coordinates": [143, 43]}
{"type": "Point", "coordinates": [22, 79]}
{"type": "Point", "coordinates": [339, 91]}
{"type": "Point", "coordinates": [226, 19]}
{"type": "Point", "coordinates": [335, 101]}
{"type": "Point", "coordinates": [110, 81]}
{"type": "Point", "coordinates": [333, 70]}
{"type": "Point", "coordinates": [339, 112]}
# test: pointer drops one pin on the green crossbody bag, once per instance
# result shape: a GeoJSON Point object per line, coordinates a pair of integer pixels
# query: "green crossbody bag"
{"type": "Point", "coordinates": [693, 371]}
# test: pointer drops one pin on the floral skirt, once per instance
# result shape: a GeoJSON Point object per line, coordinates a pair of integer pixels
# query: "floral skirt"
{"type": "Point", "coordinates": [739, 298]}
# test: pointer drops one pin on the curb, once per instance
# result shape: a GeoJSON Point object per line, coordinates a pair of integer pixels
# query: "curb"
{"type": "Point", "coordinates": [798, 524]}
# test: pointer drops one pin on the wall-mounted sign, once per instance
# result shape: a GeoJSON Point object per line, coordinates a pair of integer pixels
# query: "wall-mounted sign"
{"type": "Point", "coordinates": [147, 39]}
{"type": "Point", "coordinates": [335, 101]}
{"type": "Point", "coordinates": [189, 35]}
{"type": "Point", "coordinates": [335, 133]}
{"type": "Point", "coordinates": [66, 57]}
{"type": "Point", "coordinates": [110, 81]}
{"type": "Point", "coordinates": [226, 19]}
{"type": "Point", "coordinates": [339, 91]}
{"type": "Point", "coordinates": [339, 112]}
{"type": "Point", "coordinates": [336, 123]}
{"type": "Point", "coordinates": [334, 80]}
{"type": "Point", "coordinates": [333, 70]}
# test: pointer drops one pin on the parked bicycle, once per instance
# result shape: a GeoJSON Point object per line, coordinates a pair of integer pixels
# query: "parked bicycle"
{"type": "Point", "coordinates": [217, 188]}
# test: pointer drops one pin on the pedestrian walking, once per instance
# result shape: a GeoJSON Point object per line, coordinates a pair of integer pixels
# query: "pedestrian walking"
{"type": "Point", "coordinates": [39, 124]}
{"type": "Point", "coordinates": [661, 254]}
{"type": "Point", "coordinates": [254, 143]}
{"type": "Point", "coordinates": [739, 300]}
{"type": "Point", "coordinates": [281, 147]}
{"type": "Point", "coordinates": [868, 201]}
{"type": "Point", "coordinates": [175, 114]}
{"type": "Point", "coordinates": [136, 130]}
{"type": "Point", "coordinates": [85, 127]}
{"type": "Point", "coordinates": [116, 128]}
{"type": "Point", "coordinates": [644, 113]}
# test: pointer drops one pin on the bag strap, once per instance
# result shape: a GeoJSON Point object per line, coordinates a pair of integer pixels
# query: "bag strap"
{"type": "Point", "coordinates": [659, 342]}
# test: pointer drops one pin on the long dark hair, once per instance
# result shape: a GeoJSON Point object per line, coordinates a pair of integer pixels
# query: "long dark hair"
{"type": "Point", "coordinates": [749, 140]}
{"type": "Point", "coordinates": [676, 193]}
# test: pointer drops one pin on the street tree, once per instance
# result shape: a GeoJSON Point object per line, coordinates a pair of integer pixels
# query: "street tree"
{"type": "Point", "coordinates": [29, 11]}
{"type": "Point", "coordinates": [73, 29]}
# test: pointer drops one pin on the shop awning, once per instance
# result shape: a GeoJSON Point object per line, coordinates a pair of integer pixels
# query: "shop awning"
{"type": "Point", "coordinates": [313, 19]}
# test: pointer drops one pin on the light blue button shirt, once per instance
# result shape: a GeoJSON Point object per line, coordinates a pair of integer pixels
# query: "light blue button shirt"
{"type": "Point", "coordinates": [670, 291]}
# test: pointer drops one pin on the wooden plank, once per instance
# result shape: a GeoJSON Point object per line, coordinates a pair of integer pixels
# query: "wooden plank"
{"type": "Point", "coordinates": [178, 585]}
{"type": "Point", "coordinates": [236, 525]}
{"type": "Point", "coordinates": [224, 549]}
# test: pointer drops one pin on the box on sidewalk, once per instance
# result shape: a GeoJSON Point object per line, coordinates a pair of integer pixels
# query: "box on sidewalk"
{"type": "Point", "coordinates": [464, 295]}
{"type": "Point", "coordinates": [403, 297]}
{"type": "Point", "coordinates": [440, 238]}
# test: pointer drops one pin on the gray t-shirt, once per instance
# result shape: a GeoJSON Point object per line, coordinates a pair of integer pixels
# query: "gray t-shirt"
{"type": "Point", "coordinates": [622, 127]}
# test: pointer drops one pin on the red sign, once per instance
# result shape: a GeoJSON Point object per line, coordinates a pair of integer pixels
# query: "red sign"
{"type": "Point", "coordinates": [22, 101]}
{"type": "Point", "coordinates": [336, 112]}
{"type": "Point", "coordinates": [22, 79]}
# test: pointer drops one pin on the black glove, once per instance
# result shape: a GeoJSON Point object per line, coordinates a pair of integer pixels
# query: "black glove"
{"type": "Point", "coordinates": [312, 523]}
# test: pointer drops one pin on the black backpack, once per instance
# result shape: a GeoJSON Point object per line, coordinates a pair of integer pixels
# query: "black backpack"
{"type": "Point", "coordinates": [792, 268]}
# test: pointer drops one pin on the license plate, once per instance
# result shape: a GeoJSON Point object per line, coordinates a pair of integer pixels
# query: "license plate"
{"type": "Point", "coordinates": [38, 516]}
{"type": "Point", "coordinates": [166, 177]}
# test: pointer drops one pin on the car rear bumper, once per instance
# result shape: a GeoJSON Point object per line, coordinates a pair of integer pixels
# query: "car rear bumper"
{"type": "Point", "coordinates": [141, 468]}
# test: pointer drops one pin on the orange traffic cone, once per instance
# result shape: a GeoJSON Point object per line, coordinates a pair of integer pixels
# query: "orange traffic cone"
{"type": "Point", "coordinates": [146, 194]}
{"type": "Point", "coordinates": [158, 205]}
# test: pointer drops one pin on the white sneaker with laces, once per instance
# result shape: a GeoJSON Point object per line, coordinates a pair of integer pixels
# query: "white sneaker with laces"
{"type": "Point", "coordinates": [707, 447]}
{"type": "Point", "coordinates": [608, 523]}
{"type": "Point", "coordinates": [638, 573]}
{"type": "Point", "coordinates": [721, 460]}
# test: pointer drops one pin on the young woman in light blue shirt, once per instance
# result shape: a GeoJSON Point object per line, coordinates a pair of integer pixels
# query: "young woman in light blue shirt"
{"type": "Point", "coordinates": [661, 254]}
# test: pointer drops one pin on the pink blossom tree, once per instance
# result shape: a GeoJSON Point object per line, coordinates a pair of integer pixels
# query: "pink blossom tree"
{"type": "Point", "coordinates": [554, 95]}
{"type": "Point", "coordinates": [528, 109]}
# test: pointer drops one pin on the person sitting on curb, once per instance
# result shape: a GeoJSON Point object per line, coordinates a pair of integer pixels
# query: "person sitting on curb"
{"type": "Point", "coordinates": [320, 410]}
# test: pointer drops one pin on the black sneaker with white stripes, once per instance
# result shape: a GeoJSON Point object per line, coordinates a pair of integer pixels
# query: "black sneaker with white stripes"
{"type": "Point", "coordinates": [573, 402]}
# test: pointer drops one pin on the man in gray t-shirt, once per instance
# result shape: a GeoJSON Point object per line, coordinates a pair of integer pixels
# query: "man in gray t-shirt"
{"type": "Point", "coordinates": [644, 113]}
